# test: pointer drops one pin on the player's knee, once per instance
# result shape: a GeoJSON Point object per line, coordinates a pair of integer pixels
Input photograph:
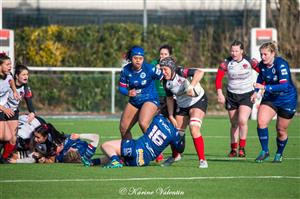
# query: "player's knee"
{"type": "Point", "coordinates": [195, 122]}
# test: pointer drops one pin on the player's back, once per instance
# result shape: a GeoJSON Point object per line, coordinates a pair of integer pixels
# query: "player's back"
{"type": "Point", "coordinates": [159, 135]}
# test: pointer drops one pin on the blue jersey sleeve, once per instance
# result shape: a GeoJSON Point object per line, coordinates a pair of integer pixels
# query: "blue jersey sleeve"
{"type": "Point", "coordinates": [179, 143]}
{"type": "Point", "coordinates": [156, 73]}
{"type": "Point", "coordinates": [123, 83]}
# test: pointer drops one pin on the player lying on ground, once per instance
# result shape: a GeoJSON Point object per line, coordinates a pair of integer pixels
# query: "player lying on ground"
{"type": "Point", "coordinates": [142, 151]}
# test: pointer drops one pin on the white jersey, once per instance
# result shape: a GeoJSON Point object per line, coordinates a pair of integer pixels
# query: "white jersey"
{"type": "Point", "coordinates": [26, 129]}
{"type": "Point", "coordinates": [240, 79]}
{"type": "Point", "coordinates": [176, 87]}
{"type": "Point", "coordinates": [4, 89]}
{"type": "Point", "coordinates": [13, 103]}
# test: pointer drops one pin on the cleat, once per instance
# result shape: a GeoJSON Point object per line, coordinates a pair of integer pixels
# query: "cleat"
{"type": "Point", "coordinates": [113, 164]}
{"type": "Point", "coordinates": [159, 158]}
{"type": "Point", "coordinates": [86, 162]}
{"type": "Point", "coordinates": [277, 158]}
{"type": "Point", "coordinates": [203, 164]}
{"type": "Point", "coordinates": [262, 156]}
{"type": "Point", "coordinates": [178, 157]}
{"type": "Point", "coordinates": [242, 152]}
{"type": "Point", "coordinates": [233, 153]}
{"type": "Point", "coordinates": [168, 162]}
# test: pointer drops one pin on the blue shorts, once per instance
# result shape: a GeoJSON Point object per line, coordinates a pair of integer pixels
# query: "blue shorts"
{"type": "Point", "coordinates": [139, 105]}
{"type": "Point", "coordinates": [132, 153]}
{"type": "Point", "coordinates": [281, 112]}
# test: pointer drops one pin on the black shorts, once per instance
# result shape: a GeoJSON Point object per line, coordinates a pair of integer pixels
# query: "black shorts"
{"type": "Point", "coordinates": [201, 104]}
{"type": "Point", "coordinates": [234, 101]}
{"type": "Point", "coordinates": [280, 112]}
{"type": "Point", "coordinates": [4, 117]}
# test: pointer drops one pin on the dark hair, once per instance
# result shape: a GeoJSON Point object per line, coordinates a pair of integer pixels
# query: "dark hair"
{"type": "Point", "coordinates": [168, 47]}
{"type": "Point", "coordinates": [3, 57]}
{"type": "Point", "coordinates": [237, 43]}
{"type": "Point", "coordinates": [49, 130]}
{"type": "Point", "coordinates": [19, 68]}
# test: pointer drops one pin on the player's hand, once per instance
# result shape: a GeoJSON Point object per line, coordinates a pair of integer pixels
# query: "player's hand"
{"type": "Point", "coordinates": [190, 91]}
{"type": "Point", "coordinates": [42, 160]}
{"type": "Point", "coordinates": [259, 86]}
{"type": "Point", "coordinates": [17, 96]}
{"type": "Point", "coordinates": [173, 120]}
{"type": "Point", "coordinates": [253, 97]}
{"type": "Point", "coordinates": [9, 112]}
{"type": "Point", "coordinates": [221, 98]}
{"type": "Point", "coordinates": [75, 136]}
{"type": "Point", "coordinates": [30, 117]}
{"type": "Point", "coordinates": [132, 93]}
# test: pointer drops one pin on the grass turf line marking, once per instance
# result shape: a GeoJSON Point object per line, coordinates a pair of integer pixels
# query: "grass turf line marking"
{"type": "Point", "coordinates": [150, 179]}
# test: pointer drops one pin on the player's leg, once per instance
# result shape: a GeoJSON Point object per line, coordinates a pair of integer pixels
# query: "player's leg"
{"type": "Point", "coordinates": [128, 119]}
{"type": "Point", "coordinates": [234, 131]}
{"type": "Point", "coordinates": [91, 148]}
{"type": "Point", "coordinates": [265, 115]}
{"type": "Point", "coordinates": [112, 149]}
{"type": "Point", "coordinates": [182, 121]}
{"type": "Point", "coordinates": [146, 114]}
{"type": "Point", "coordinates": [282, 136]}
{"type": "Point", "coordinates": [196, 118]}
{"type": "Point", "coordinates": [244, 113]}
{"type": "Point", "coordinates": [9, 147]}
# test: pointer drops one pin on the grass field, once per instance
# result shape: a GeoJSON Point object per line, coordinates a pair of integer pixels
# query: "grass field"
{"type": "Point", "coordinates": [225, 177]}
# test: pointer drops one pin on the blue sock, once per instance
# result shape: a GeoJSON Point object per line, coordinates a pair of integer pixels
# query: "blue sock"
{"type": "Point", "coordinates": [96, 161]}
{"type": "Point", "coordinates": [90, 151]}
{"type": "Point", "coordinates": [263, 136]}
{"type": "Point", "coordinates": [281, 145]}
{"type": "Point", "coordinates": [115, 158]}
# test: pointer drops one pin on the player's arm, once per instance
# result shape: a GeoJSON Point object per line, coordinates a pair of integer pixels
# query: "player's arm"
{"type": "Point", "coordinates": [218, 82]}
{"type": "Point", "coordinates": [28, 100]}
{"type": "Point", "coordinates": [14, 89]}
{"type": "Point", "coordinates": [179, 143]}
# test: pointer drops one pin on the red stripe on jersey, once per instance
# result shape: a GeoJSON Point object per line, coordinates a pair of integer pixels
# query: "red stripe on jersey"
{"type": "Point", "coordinates": [282, 81]}
{"type": "Point", "coordinates": [185, 72]}
{"type": "Point", "coordinates": [28, 94]}
{"type": "Point", "coordinates": [123, 85]}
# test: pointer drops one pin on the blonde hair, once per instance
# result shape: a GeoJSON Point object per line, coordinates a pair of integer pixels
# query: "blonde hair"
{"type": "Point", "coordinates": [271, 46]}
{"type": "Point", "coordinates": [72, 156]}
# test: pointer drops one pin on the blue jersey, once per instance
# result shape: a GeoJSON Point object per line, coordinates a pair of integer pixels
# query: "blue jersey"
{"type": "Point", "coordinates": [78, 144]}
{"type": "Point", "coordinates": [159, 135]}
{"type": "Point", "coordinates": [142, 81]}
{"type": "Point", "coordinates": [279, 89]}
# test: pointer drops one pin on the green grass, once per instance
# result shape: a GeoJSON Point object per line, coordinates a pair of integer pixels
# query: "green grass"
{"type": "Point", "coordinates": [225, 178]}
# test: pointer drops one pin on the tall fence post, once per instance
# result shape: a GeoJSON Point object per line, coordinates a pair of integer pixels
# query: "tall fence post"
{"type": "Point", "coordinates": [113, 74]}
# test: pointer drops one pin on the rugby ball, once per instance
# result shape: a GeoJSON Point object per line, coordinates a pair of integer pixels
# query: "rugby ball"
{"type": "Point", "coordinates": [198, 90]}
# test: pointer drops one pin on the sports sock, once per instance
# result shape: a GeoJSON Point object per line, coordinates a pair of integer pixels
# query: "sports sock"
{"type": "Point", "coordinates": [8, 149]}
{"type": "Point", "coordinates": [90, 151]}
{"type": "Point", "coordinates": [233, 146]}
{"type": "Point", "coordinates": [263, 136]}
{"type": "Point", "coordinates": [115, 158]}
{"type": "Point", "coordinates": [199, 146]}
{"type": "Point", "coordinates": [96, 161]}
{"type": "Point", "coordinates": [242, 143]}
{"type": "Point", "coordinates": [281, 145]}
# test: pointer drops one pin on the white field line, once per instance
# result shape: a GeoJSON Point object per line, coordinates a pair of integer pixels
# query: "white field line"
{"type": "Point", "coordinates": [150, 179]}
